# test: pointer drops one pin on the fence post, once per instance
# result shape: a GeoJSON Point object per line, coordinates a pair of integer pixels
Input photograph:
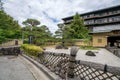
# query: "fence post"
{"type": "Point", "coordinates": [71, 64]}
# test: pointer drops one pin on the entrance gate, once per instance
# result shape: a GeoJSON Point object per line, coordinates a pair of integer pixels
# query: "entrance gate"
{"type": "Point", "coordinates": [114, 41]}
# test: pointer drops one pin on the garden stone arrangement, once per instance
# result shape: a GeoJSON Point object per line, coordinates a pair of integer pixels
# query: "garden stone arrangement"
{"type": "Point", "coordinates": [90, 53]}
{"type": "Point", "coordinates": [60, 46]}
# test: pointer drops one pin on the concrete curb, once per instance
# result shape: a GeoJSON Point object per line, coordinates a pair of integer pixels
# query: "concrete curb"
{"type": "Point", "coordinates": [46, 71]}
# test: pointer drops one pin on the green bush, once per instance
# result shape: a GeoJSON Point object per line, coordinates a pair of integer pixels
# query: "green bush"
{"type": "Point", "coordinates": [31, 49]}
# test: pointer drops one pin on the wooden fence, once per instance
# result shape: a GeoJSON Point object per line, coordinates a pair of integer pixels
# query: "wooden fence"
{"type": "Point", "coordinates": [68, 68]}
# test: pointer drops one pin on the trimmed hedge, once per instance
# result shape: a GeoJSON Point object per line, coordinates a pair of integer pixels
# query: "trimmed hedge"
{"type": "Point", "coordinates": [31, 49]}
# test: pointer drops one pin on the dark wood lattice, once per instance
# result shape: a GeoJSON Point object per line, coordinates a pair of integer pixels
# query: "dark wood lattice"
{"type": "Point", "coordinates": [57, 63]}
{"type": "Point", "coordinates": [83, 72]}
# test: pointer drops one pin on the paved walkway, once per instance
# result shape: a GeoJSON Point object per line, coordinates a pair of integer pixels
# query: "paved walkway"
{"type": "Point", "coordinates": [18, 68]}
{"type": "Point", "coordinates": [102, 56]}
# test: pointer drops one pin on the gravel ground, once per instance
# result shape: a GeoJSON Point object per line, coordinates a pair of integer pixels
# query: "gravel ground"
{"type": "Point", "coordinates": [102, 56]}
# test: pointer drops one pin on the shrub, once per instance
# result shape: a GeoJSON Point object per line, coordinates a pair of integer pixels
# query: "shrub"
{"type": "Point", "coordinates": [31, 49]}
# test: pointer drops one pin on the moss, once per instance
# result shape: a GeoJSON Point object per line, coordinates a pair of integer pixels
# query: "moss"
{"type": "Point", "coordinates": [88, 48]}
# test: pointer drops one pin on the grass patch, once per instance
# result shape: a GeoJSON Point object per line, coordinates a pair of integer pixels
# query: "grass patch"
{"type": "Point", "coordinates": [88, 48]}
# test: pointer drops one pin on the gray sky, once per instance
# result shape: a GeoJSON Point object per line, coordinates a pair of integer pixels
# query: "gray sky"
{"type": "Point", "coordinates": [50, 12]}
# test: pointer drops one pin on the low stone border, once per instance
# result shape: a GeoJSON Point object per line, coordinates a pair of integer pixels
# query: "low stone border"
{"type": "Point", "coordinates": [50, 74]}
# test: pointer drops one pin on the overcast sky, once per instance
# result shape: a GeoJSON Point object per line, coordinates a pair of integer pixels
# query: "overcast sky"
{"type": "Point", "coordinates": [50, 12]}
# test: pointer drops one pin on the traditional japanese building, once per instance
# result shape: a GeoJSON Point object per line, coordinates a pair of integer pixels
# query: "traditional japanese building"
{"type": "Point", "coordinates": [104, 26]}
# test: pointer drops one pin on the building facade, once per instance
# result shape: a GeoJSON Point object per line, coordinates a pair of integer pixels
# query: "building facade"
{"type": "Point", "coordinates": [104, 26]}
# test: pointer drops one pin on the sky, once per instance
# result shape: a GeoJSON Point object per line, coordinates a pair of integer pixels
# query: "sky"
{"type": "Point", "coordinates": [51, 12]}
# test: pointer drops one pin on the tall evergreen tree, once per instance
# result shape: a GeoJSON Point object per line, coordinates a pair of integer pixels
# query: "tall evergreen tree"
{"type": "Point", "coordinates": [9, 28]}
{"type": "Point", "coordinates": [75, 30]}
{"type": "Point", "coordinates": [80, 31]}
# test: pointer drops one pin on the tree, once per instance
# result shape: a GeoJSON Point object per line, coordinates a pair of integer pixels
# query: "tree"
{"type": "Point", "coordinates": [80, 31]}
{"type": "Point", "coordinates": [75, 30]}
{"type": "Point", "coordinates": [31, 22]}
{"type": "Point", "coordinates": [45, 30]}
{"type": "Point", "coordinates": [64, 31]}
{"type": "Point", "coordinates": [59, 33]}
{"type": "Point", "coordinates": [9, 28]}
{"type": "Point", "coordinates": [40, 33]}
{"type": "Point", "coordinates": [68, 32]}
{"type": "Point", "coordinates": [7, 22]}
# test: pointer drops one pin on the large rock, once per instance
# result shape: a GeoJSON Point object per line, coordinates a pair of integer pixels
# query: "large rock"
{"type": "Point", "coordinates": [90, 53]}
{"type": "Point", "coordinates": [59, 46]}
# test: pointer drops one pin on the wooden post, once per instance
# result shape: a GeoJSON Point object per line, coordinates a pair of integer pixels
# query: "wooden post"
{"type": "Point", "coordinates": [71, 65]}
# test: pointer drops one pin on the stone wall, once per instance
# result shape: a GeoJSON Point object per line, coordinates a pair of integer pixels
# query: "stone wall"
{"type": "Point", "coordinates": [11, 43]}
{"type": "Point", "coordinates": [13, 50]}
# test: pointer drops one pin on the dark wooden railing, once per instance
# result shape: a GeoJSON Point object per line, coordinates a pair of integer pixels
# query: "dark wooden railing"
{"type": "Point", "coordinates": [68, 68]}
{"type": "Point", "coordinates": [93, 71]}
